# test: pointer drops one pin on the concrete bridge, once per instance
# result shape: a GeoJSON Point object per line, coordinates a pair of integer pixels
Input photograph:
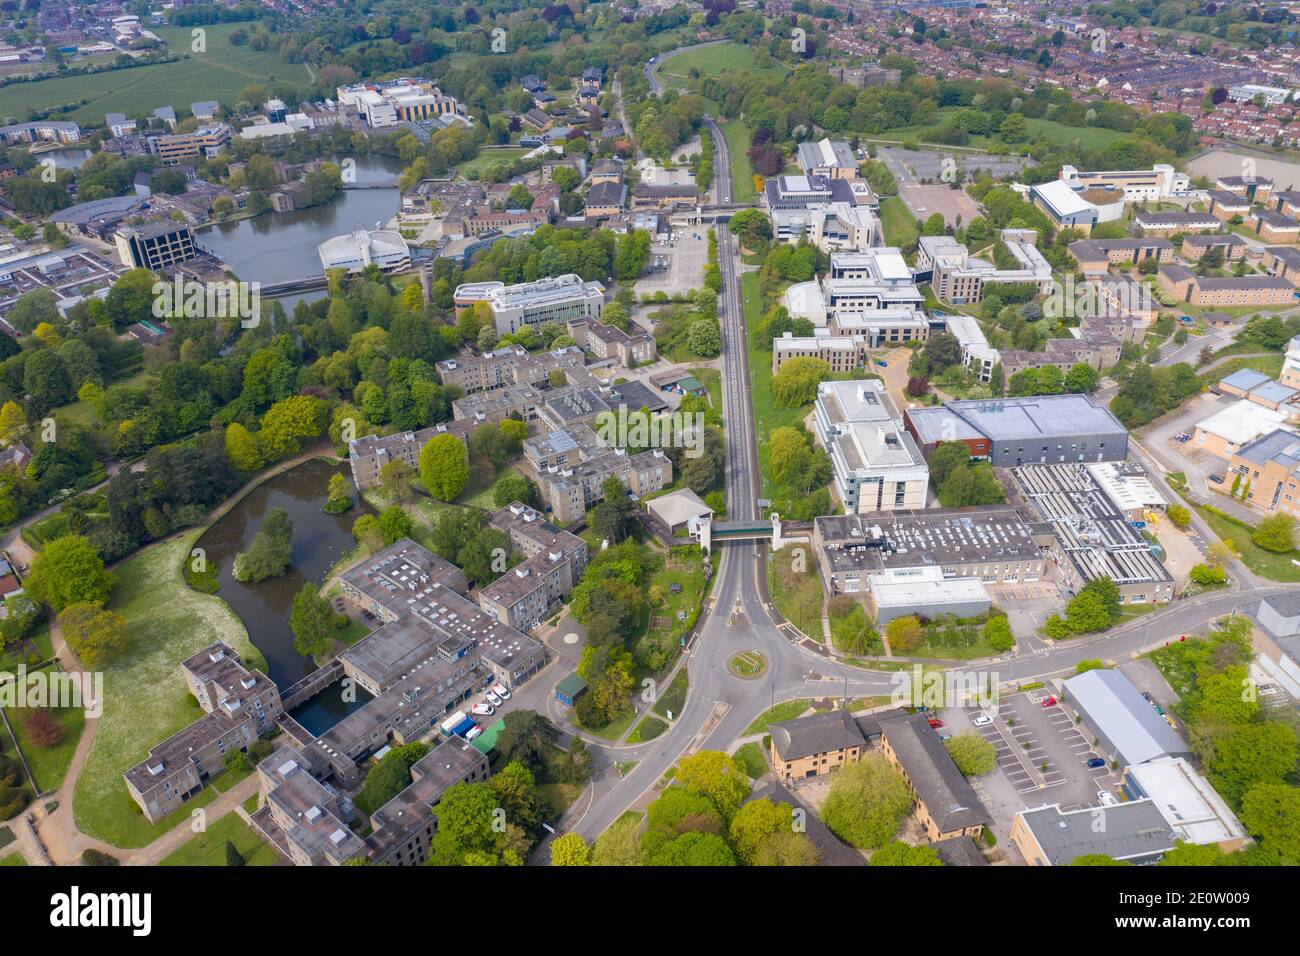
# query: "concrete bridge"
{"type": "Point", "coordinates": [770, 529]}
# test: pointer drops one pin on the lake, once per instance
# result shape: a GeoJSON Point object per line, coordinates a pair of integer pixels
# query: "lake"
{"type": "Point", "coordinates": [319, 540]}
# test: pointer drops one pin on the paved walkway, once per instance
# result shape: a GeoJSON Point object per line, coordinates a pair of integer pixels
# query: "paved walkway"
{"type": "Point", "coordinates": [179, 835]}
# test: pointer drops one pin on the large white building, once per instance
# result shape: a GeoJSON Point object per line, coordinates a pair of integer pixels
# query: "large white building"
{"type": "Point", "coordinates": [1138, 185]}
{"type": "Point", "coordinates": [355, 251]}
{"type": "Point", "coordinates": [878, 465]}
{"type": "Point", "coordinates": [561, 299]}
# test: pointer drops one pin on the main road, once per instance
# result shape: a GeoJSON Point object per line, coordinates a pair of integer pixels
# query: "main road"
{"type": "Point", "coordinates": [738, 616]}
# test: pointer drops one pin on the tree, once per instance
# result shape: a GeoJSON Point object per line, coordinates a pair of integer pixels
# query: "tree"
{"type": "Point", "coordinates": [1251, 755]}
{"type": "Point", "coordinates": [526, 738]}
{"type": "Point", "coordinates": [313, 622]}
{"type": "Point", "coordinates": [903, 854]}
{"type": "Point", "coordinates": [754, 823]}
{"type": "Point", "coordinates": [444, 467]}
{"type": "Point", "coordinates": [41, 728]}
{"type": "Point", "coordinates": [694, 849]}
{"type": "Point", "coordinates": [1271, 812]}
{"type": "Point", "coordinates": [68, 570]}
{"type": "Point", "coordinates": [619, 845]}
{"type": "Point", "coordinates": [1014, 129]}
{"type": "Point", "coordinates": [614, 518]}
{"type": "Point", "coordinates": [787, 848]}
{"type": "Point", "coordinates": [12, 422]}
{"type": "Point", "coordinates": [1275, 533]}
{"type": "Point", "coordinates": [946, 458]}
{"type": "Point", "coordinates": [391, 775]}
{"type": "Point", "coordinates": [233, 856]}
{"type": "Point", "coordinates": [95, 635]}
{"type": "Point", "coordinates": [866, 803]}
{"type": "Point", "coordinates": [997, 634]}
{"type": "Point", "coordinates": [270, 551]}
{"type": "Point", "coordinates": [1178, 516]}
{"type": "Point", "coordinates": [288, 422]}
{"type": "Point", "coordinates": [904, 634]}
{"type": "Point", "coordinates": [514, 487]}
{"type": "Point", "coordinates": [570, 850]}
{"type": "Point", "coordinates": [366, 532]}
{"type": "Point", "coordinates": [796, 382]}
{"type": "Point", "coordinates": [704, 337]}
{"type": "Point", "coordinates": [242, 448]}
{"type": "Point", "coordinates": [1082, 378]}
{"type": "Point", "coordinates": [395, 480]}
{"type": "Point", "coordinates": [394, 525]}
{"type": "Point", "coordinates": [1097, 859]}
{"type": "Point", "coordinates": [1190, 854]}
{"type": "Point", "coordinates": [973, 755]}
{"type": "Point", "coordinates": [338, 495]}
{"type": "Point", "coordinates": [715, 775]}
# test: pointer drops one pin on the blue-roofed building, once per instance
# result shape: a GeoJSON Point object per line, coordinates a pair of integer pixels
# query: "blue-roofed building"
{"type": "Point", "coordinates": [1255, 386]}
{"type": "Point", "coordinates": [1125, 725]}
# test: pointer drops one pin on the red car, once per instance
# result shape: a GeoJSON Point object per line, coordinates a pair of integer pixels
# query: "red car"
{"type": "Point", "coordinates": [1050, 702]}
{"type": "Point", "coordinates": [935, 722]}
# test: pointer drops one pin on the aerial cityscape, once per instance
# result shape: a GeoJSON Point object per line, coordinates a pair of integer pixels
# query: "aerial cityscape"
{"type": "Point", "coordinates": [643, 433]}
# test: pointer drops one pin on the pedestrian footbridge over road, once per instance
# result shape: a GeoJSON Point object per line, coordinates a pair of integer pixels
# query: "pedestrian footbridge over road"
{"type": "Point", "coordinates": [772, 529]}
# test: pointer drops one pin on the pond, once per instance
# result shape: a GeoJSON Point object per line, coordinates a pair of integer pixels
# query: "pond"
{"type": "Point", "coordinates": [319, 540]}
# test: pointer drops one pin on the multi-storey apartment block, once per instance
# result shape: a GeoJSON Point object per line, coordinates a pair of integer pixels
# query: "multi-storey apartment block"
{"type": "Point", "coordinates": [559, 299]}
{"type": "Point", "coordinates": [240, 705]}
{"type": "Point", "coordinates": [553, 561]}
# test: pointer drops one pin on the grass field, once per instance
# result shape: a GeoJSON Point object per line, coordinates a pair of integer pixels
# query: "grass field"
{"type": "Point", "coordinates": [1050, 130]}
{"type": "Point", "coordinates": [742, 173]}
{"type": "Point", "coordinates": [209, 848]}
{"type": "Point", "coordinates": [752, 757]}
{"type": "Point", "coordinates": [145, 698]}
{"type": "Point", "coordinates": [1275, 567]}
{"type": "Point", "coordinates": [49, 765]}
{"type": "Point", "coordinates": [648, 729]}
{"type": "Point", "coordinates": [897, 222]}
{"type": "Point", "coordinates": [797, 595]}
{"type": "Point", "coordinates": [486, 159]}
{"type": "Point", "coordinates": [219, 73]}
{"type": "Point", "coordinates": [13, 859]}
{"type": "Point", "coordinates": [788, 710]}
{"type": "Point", "coordinates": [674, 72]}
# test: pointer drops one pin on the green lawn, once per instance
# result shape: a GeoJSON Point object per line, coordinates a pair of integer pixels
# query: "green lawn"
{"type": "Point", "coordinates": [673, 699]}
{"type": "Point", "coordinates": [648, 729]}
{"type": "Point", "coordinates": [50, 765]}
{"type": "Point", "coordinates": [13, 859]}
{"type": "Point", "coordinates": [1275, 567]}
{"type": "Point", "coordinates": [796, 594]}
{"type": "Point", "coordinates": [788, 710]}
{"type": "Point", "coordinates": [209, 848]}
{"type": "Point", "coordinates": [742, 172]}
{"type": "Point", "coordinates": [674, 71]}
{"type": "Point", "coordinates": [1270, 365]}
{"type": "Point", "coordinates": [898, 223]}
{"type": "Point", "coordinates": [751, 756]}
{"type": "Point", "coordinates": [145, 698]}
{"type": "Point", "coordinates": [487, 158]}
{"type": "Point", "coordinates": [219, 73]}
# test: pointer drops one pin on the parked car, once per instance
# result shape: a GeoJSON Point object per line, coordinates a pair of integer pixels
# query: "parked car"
{"type": "Point", "coordinates": [493, 699]}
{"type": "Point", "coordinates": [1096, 762]}
{"type": "Point", "coordinates": [1146, 695]}
{"type": "Point", "coordinates": [501, 690]}
{"type": "Point", "coordinates": [1050, 702]}
{"type": "Point", "coordinates": [1170, 721]}
{"type": "Point", "coordinates": [1217, 479]}
{"type": "Point", "coordinates": [483, 709]}
{"type": "Point", "coordinates": [473, 732]}
{"type": "Point", "coordinates": [935, 722]}
{"type": "Point", "coordinates": [943, 737]}
{"type": "Point", "coordinates": [1107, 798]}
{"type": "Point", "coordinates": [983, 720]}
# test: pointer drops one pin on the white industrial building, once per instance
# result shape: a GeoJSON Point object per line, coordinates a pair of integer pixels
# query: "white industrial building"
{"type": "Point", "coordinates": [355, 251]}
{"type": "Point", "coordinates": [1187, 802]}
